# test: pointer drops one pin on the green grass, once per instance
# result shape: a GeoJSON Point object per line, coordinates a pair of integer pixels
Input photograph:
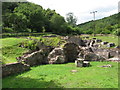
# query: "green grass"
{"type": "Point", "coordinates": [51, 41]}
{"type": "Point", "coordinates": [6, 42]}
{"type": "Point", "coordinates": [10, 49]}
{"type": "Point", "coordinates": [60, 76]}
{"type": "Point", "coordinates": [10, 53]}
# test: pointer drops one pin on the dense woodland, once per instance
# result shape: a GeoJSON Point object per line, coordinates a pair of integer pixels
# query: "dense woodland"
{"type": "Point", "coordinates": [29, 17]}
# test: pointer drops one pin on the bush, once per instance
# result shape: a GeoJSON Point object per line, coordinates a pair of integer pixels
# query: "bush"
{"type": "Point", "coordinates": [116, 32]}
{"type": "Point", "coordinates": [8, 30]}
{"type": "Point", "coordinates": [30, 44]}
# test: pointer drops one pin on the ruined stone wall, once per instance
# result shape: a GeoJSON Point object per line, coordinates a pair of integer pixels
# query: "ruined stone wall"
{"type": "Point", "coordinates": [13, 68]}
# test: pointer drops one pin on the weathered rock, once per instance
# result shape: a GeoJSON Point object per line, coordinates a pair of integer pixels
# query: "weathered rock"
{"type": "Point", "coordinates": [86, 42]}
{"type": "Point", "coordinates": [40, 45]}
{"type": "Point", "coordinates": [82, 63]}
{"type": "Point", "coordinates": [86, 64]}
{"type": "Point", "coordinates": [110, 44]}
{"type": "Point", "coordinates": [106, 53]}
{"type": "Point", "coordinates": [94, 38]}
{"type": "Point", "coordinates": [103, 43]}
{"type": "Point", "coordinates": [36, 58]}
{"type": "Point", "coordinates": [73, 71]}
{"type": "Point", "coordinates": [115, 59]}
{"type": "Point", "coordinates": [98, 40]}
{"type": "Point", "coordinates": [71, 51]}
{"type": "Point", "coordinates": [93, 57]}
{"type": "Point", "coordinates": [92, 43]}
{"type": "Point", "coordinates": [87, 37]}
{"type": "Point", "coordinates": [57, 56]}
{"type": "Point", "coordinates": [106, 65]}
{"type": "Point", "coordinates": [118, 47]}
{"type": "Point", "coordinates": [89, 49]}
{"type": "Point", "coordinates": [13, 68]}
{"type": "Point", "coordinates": [79, 62]}
{"type": "Point", "coordinates": [76, 40]}
{"type": "Point", "coordinates": [97, 45]}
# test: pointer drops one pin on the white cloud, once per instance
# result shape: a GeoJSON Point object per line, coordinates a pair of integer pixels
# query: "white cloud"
{"type": "Point", "coordinates": [81, 8]}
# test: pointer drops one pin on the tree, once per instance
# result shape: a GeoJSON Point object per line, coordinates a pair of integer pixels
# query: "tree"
{"type": "Point", "coordinates": [71, 19]}
{"type": "Point", "coordinates": [18, 22]}
{"type": "Point", "coordinates": [58, 24]}
{"type": "Point", "coordinates": [35, 16]}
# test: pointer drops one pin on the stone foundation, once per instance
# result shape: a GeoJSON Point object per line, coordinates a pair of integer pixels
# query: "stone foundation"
{"type": "Point", "coordinates": [13, 68]}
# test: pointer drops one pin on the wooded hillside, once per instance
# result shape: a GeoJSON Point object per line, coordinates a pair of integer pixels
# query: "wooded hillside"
{"type": "Point", "coordinates": [29, 17]}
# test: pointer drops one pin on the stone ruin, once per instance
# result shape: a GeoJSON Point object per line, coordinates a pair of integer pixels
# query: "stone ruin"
{"type": "Point", "coordinates": [89, 50]}
{"type": "Point", "coordinates": [75, 50]}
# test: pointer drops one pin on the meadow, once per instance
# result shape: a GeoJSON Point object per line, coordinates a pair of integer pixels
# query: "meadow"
{"type": "Point", "coordinates": [60, 76]}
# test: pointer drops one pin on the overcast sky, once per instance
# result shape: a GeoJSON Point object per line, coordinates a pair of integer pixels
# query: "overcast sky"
{"type": "Point", "coordinates": [81, 8]}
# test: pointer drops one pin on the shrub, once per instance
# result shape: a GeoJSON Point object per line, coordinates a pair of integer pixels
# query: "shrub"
{"type": "Point", "coordinates": [116, 32]}
{"type": "Point", "coordinates": [8, 30]}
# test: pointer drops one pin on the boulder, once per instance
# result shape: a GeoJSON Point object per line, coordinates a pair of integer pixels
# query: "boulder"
{"type": "Point", "coordinates": [86, 42]}
{"type": "Point", "coordinates": [92, 43]}
{"type": "Point", "coordinates": [110, 45]}
{"type": "Point", "coordinates": [35, 58]}
{"type": "Point", "coordinates": [98, 40]}
{"type": "Point", "coordinates": [104, 43]}
{"type": "Point", "coordinates": [14, 68]}
{"type": "Point", "coordinates": [93, 57]}
{"type": "Point", "coordinates": [40, 45]}
{"type": "Point", "coordinates": [71, 51]}
{"type": "Point", "coordinates": [79, 63]}
{"type": "Point", "coordinates": [57, 56]}
{"type": "Point", "coordinates": [86, 64]}
{"type": "Point", "coordinates": [94, 38]}
{"type": "Point", "coordinates": [118, 46]}
{"type": "Point", "coordinates": [76, 40]}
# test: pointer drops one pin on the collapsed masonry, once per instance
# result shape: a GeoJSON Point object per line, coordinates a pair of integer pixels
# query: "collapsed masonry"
{"type": "Point", "coordinates": [75, 47]}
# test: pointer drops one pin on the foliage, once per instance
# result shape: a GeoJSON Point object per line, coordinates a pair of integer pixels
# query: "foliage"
{"type": "Point", "coordinates": [6, 35]}
{"type": "Point", "coordinates": [52, 41]}
{"type": "Point", "coordinates": [29, 17]}
{"type": "Point", "coordinates": [71, 19]}
{"type": "Point", "coordinates": [105, 25]}
{"type": "Point", "coordinates": [60, 76]}
{"type": "Point", "coordinates": [30, 44]}
{"type": "Point", "coordinates": [117, 32]}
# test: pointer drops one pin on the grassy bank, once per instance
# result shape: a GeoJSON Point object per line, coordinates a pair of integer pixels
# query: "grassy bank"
{"type": "Point", "coordinates": [10, 49]}
{"type": "Point", "coordinates": [60, 76]}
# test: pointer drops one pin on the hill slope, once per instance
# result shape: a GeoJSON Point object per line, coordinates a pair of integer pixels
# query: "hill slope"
{"type": "Point", "coordinates": [105, 25]}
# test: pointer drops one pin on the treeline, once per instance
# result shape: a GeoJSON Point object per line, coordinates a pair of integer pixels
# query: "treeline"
{"type": "Point", "coordinates": [29, 17]}
{"type": "Point", "coordinates": [32, 18]}
{"type": "Point", "coordinates": [107, 25]}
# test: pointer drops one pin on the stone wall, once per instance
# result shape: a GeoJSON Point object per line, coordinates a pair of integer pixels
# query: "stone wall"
{"type": "Point", "coordinates": [13, 68]}
{"type": "Point", "coordinates": [36, 58]}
